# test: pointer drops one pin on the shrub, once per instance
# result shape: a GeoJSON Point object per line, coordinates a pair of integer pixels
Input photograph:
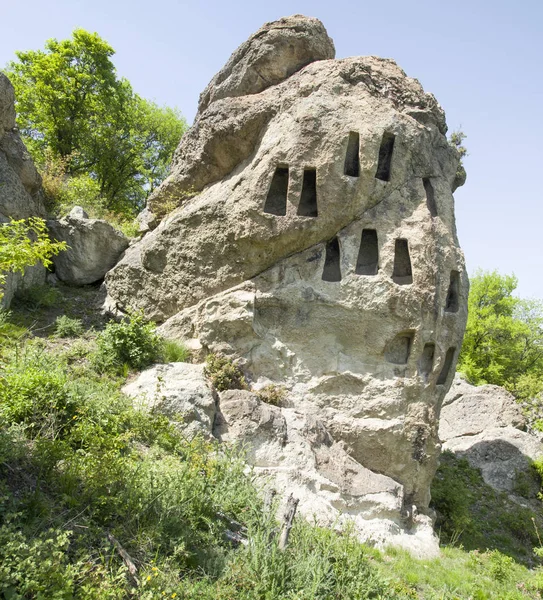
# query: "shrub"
{"type": "Point", "coordinates": [132, 342]}
{"type": "Point", "coordinates": [68, 327]}
{"type": "Point", "coordinates": [224, 374]}
{"type": "Point", "coordinates": [273, 394]}
{"type": "Point", "coordinates": [173, 351]}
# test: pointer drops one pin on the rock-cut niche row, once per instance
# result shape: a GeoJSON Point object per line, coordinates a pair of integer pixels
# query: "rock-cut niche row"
{"type": "Point", "coordinates": [276, 200]}
{"type": "Point", "coordinates": [398, 352]}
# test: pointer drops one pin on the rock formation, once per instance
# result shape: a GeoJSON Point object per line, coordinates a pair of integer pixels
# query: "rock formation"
{"type": "Point", "coordinates": [93, 247]}
{"type": "Point", "coordinates": [20, 183]}
{"type": "Point", "coordinates": [485, 425]}
{"type": "Point", "coordinates": [315, 244]}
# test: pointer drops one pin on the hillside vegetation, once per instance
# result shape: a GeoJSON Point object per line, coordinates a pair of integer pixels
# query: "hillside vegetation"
{"type": "Point", "coordinates": [86, 480]}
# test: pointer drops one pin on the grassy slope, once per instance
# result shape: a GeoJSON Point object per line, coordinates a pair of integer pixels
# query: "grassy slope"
{"type": "Point", "coordinates": [77, 464]}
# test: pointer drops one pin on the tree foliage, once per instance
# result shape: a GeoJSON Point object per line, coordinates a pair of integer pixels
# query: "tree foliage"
{"type": "Point", "coordinates": [72, 104]}
{"type": "Point", "coordinates": [503, 343]}
{"type": "Point", "coordinates": [25, 243]}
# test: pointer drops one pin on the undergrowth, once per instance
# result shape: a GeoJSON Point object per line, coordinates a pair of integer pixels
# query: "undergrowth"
{"type": "Point", "coordinates": [84, 475]}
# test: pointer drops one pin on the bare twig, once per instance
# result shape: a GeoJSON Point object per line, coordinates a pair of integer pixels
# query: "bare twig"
{"type": "Point", "coordinates": [288, 519]}
{"type": "Point", "coordinates": [132, 569]}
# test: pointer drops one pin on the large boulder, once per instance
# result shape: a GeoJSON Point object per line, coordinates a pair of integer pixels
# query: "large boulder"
{"type": "Point", "coordinates": [179, 391]}
{"type": "Point", "coordinates": [93, 247]}
{"type": "Point", "coordinates": [315, 243]}
{"type": "Point", "coordinates": [20, 185]}
{"type": "Point", "coordinates": [298, 455]}
{"type": "Point", "coordinates": [485, 425]}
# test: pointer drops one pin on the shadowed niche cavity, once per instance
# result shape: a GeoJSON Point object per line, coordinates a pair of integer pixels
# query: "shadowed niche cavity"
{"type": "Point", "coordinates": [444, 374]}
{"type": "Point", "coordinates": [332, 269]}
{"type": "Point", "coordinates": [385, 156]}
{"type": "Point", "coordinates": [276, 201]}
{"type": "Point", "coordinates": [352, 158]}
{"type": "Point", "coordinates": [426, 361]}
{"type": "Point", "coordinates": [368, 256]}
{"type": "Point", "coordinates": [402, 272]}
{"type": "Point", "coordinates": [398, 350]}
{"type": "Point", "coordinates": [451, 303]}
{"type": "Point", "coordinates": [430, 196]}
{"type": "Point", "coordinates": [308, 199]}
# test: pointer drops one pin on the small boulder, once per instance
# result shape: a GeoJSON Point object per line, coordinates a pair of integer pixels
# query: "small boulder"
{"type": "Point", "coordinates": [176, 390]}
{"type": "Point", "coordinates": [485, 426]}
{"type": "Point", "coordinates": [94, 247]}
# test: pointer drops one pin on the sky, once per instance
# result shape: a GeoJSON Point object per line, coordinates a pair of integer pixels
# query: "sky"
{"type": "Point", "coordinates": [482, 59]}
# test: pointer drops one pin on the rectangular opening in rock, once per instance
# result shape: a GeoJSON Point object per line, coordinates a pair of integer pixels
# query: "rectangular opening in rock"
{"type": "Point", "coordinates": [308, 199]}
{"type": "Point", "coordinates": [451, 303]}
{"type": "Point", "coordinates": [332, 269]}
{"type": "Point", "coordinates": [368, 256]}
{"type": "Point", "coordinates": [426, 361]}
{"type": "Point", "coordinates": [276, 200]}
{"type": "Point", "coordinates": [444, 374]}
{"type": "Point", "coordinates": [397, 351]}
{"type": "Point", "coordinates": [352, 158]}
{"type": "Point", "coordinates": [430, 196]}
{"type": "Point", "coordinates": [385, 156]}
{"type": "Point", "coordinates": [402, 273]}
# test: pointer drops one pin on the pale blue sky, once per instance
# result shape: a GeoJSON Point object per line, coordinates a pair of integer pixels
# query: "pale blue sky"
{"type": "Point", "coordinates": [482, 59]}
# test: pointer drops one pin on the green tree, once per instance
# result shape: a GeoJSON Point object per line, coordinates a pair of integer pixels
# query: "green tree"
{"type": "Point", "coordinates": [71, 104]}
{"type": "Point", "coordinates": [25, 243]}
{"type": "Point", "coordinates": [503, 343]}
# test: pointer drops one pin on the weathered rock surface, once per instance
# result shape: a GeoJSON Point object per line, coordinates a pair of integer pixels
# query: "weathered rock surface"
{"type": "Point", "coordinates": [316, 244]}
{"type": "Point", "coordinates": [296, 452]}
{"type": "Point", "coordinates": [94, 247]}
{"type": "Point", "coordinates": [178, 390]}
{"type": "Point", "coordinates": [485, 425]}
{"type": "Point", "coordinates": [20, 184]}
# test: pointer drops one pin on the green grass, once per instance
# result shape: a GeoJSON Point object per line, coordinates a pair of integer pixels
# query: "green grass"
{"type": "Point", "coordinates": [79, 463]}
{"type": "Point", "coordinates": [475, 515]}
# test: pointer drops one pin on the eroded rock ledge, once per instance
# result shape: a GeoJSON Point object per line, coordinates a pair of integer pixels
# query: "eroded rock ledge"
{"type": "Point", "coordinates": [315, 243]}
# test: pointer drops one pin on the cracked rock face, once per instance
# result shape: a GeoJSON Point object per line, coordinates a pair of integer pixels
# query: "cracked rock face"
{"type": "Point", "coordinates": [315, 243]}
{"type": "Point", "coordinates": [20, 185]}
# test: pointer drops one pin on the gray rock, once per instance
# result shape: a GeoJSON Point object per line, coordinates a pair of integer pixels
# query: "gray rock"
{"type": "Point", "coordinates": [94, 247]}
{"type": "Point", "coordinates": [271, 55]}
{"type": "Point", "coordinates": [468, 410]}
{"type": "Point", "coordinates": [484, 425]}
{"type": "Point", "coordinates": [20, 186]}
{"type": "Point", "coordinates": [294, 453]}
{"type": "Point", "coordinates": [315, 243]}
{"type": "Point", "coordinates": [178, 390]}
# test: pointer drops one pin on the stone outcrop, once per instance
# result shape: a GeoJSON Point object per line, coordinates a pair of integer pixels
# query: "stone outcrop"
{"type": "Point", "coordinates": [93, 247]}
{"type": "Point", "coordinates": [20, 184]}
{"type": "Point", "coordinates": [485, 425]}
{"type": "Point", "coordinates": [315, 243]}
{"type": "Point", "coordinates": [179, 391]}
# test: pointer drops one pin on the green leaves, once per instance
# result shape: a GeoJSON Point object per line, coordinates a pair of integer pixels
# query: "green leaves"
{"type": "Point", "coordinates": [24, 243]}
{"type": "Point", "coordinates": [71, 103]}
{"type": "Point", "coordinates": [503, 343]}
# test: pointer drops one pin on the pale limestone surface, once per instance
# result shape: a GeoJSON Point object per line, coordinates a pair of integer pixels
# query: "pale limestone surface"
{"type": "Point", "coordinates": [485, 425]}
{"type": "Point", "coordinates": [362, 329]}
{"type": "Point", "coordinates": [93, 247]}
{"type": "Point", "coordinates": [177, 390]}
{"type": "Point", "coordinates": [20, 185]}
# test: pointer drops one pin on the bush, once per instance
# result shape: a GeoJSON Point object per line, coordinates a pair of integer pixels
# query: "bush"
{"type": "Point", "coordinates": [273, 394]}
{"type": "Point", "coordinates": [68, 327]}
{"type": "Point", "coordinates": [132, 343]}
{"type": "Point", "coordinates": [173, 351]}
{"type": "Point", "coordinates": [224, 374]}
